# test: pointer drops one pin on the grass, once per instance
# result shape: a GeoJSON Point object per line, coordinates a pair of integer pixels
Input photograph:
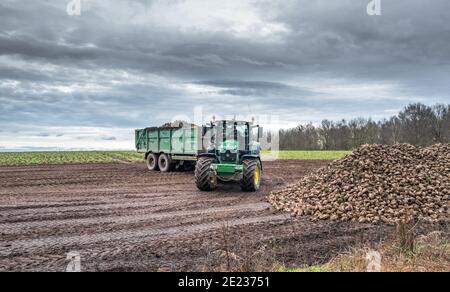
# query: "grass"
{"type": "Point", "coordinates": [311, 269]}
{"type": "Point", "coordinates": [72, 157]}
{"type": "Point", "coordinates": [309, 155]}
{"type": "Point", "coordinates": [431, 254]}
{"type": "Point", "coordinates": [36, 158]}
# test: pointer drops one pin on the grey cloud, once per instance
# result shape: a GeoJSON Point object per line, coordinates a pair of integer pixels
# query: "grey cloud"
{"type": "Point", "coordinates": [244, 84]}
{"type": "Point", "coordinates": [99, 70]}
{"type": "Point", "coordinates": [257, 88]}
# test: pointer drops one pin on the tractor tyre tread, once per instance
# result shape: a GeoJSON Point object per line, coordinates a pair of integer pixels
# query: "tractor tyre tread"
{"type": "Point", "coordinates": [247, 182]}
{"type": "Point", "coordinates": [202, 174]}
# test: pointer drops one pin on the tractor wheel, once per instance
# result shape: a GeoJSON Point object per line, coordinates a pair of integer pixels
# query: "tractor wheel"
{"type": "Point", "coordinates": [152, 161]}
{"type": "Point", "coordinates": [205, 179]}
{"type": "Point", "coordinates": [251, 180]}
{"type": "Point", "coordinates": [165, 163]}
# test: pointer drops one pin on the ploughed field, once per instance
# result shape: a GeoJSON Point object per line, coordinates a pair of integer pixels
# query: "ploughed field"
{"type": "Point", "coordinates": [120, 216]}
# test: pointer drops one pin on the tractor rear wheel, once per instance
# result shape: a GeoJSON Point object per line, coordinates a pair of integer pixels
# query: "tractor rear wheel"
{"type": "Point", "coordinates": [152, 161]}
{"type": "Point", "coordinates": [165, 163]}
{"type": "Point", "coordinates": [251, 180]}
{"type": "Point", "coordinates": [205, 178]}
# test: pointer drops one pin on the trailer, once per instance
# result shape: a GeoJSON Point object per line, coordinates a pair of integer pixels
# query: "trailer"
{"type": "Point", "coordinates": [166, 148]}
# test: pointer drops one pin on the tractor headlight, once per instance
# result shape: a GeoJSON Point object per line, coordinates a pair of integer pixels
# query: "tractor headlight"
{"type": "Point", "coordinates": [228, 151]}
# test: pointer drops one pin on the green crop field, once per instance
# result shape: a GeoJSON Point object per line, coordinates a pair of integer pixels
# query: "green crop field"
{"type": "Point", "coordinates": [30, 158]}
{"type": "Point", "coordinates": [309, 155]}
{"type": "Point", "coordinates": [68, 157]}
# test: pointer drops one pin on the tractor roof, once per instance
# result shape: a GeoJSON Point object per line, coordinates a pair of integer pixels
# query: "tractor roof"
{"type": "Point", "coordinates": [233, 121]}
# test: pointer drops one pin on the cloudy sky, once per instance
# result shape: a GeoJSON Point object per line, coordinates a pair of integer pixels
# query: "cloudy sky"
{"type": "Point", "coordinates": [71, 82]}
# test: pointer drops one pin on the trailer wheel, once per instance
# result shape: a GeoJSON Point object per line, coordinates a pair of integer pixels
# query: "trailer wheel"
{"type": "Point", "coordinates": [152, 161]}
{"type": "Point", "coordinates": [251, 180]}
{"type": "Point", "coordinates": [205, 178]}
{"type": "Point", "coordinates": [165, 163]}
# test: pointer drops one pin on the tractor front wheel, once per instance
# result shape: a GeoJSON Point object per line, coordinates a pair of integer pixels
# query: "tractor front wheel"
{"type": "Point", "coordinates": [205, 178]}
{"type": "Point", "coordinates": [251, 180]}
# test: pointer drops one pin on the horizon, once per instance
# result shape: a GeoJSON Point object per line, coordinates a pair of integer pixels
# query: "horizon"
{"type": "Point", "coordinates": [131, 139]}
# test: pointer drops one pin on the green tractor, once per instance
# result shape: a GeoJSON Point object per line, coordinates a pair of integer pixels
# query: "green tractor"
{"type": "Point", "coordinates": [234, 154]}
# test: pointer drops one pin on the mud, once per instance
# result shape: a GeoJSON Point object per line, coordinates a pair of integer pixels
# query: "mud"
{"type": "Point", "coordinates": [121, 217]}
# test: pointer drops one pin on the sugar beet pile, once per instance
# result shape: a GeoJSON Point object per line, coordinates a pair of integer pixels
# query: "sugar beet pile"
{"type": "Point", "coordinates": [376, 183]}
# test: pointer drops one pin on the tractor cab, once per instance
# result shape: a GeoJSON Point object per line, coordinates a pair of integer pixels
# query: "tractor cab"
{"type": "Point", "coordinates": [231, 140]}
{"type": "Point", "coordinates": [233, 154]}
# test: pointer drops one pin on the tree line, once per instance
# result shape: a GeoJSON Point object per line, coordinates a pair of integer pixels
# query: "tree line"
{"type": "Point", "coordinates": [416, 124]}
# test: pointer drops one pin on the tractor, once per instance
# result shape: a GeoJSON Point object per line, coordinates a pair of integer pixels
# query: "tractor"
{"type": "Point", "coordinates": [233, 154]}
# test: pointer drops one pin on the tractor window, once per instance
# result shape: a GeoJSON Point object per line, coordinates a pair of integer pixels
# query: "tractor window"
{"type": "Point", "coordinates": [236, 133]}
{"type": "Point", "coordinates": [254, 134]}
{"type": "Point", "coordinates": [241, 131]}
{"type": "Point", "coordinates": [229, 133]}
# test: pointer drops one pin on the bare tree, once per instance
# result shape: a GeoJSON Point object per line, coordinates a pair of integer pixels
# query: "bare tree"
{"type": "Point", "coordinates": [364, 131]}
{"type": "Point", "coordinates": [441, 126]}
{"type": "Point", "coordinates": [416, 124]}
{"type": "Point", "coordinates": [390, 131]}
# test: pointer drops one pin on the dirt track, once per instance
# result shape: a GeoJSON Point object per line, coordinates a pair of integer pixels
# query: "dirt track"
{"type": "Point", "coordinates": [123, 217]}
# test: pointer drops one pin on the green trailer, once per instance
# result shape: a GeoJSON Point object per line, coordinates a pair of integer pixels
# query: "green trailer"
{"type": "Point", "coordinates": [167, 148]}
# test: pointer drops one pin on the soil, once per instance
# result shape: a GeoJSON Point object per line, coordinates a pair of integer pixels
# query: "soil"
{"type": "Point", "coordinates": [122, 217]}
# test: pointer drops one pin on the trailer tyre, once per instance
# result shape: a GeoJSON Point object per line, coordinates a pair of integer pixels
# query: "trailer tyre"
{"type": "Point", "coordinates": [205, 178]}
{"type": "Point", "coordinates": [152, 161]}
{"type": "Point", "coordinates": [165, 163]}
{"type": "Point", "coordinates": [251, 180]}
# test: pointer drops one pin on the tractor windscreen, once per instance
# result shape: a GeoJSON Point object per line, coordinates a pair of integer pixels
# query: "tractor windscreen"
{"type": "Point", "coordinates": [233, 136]}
